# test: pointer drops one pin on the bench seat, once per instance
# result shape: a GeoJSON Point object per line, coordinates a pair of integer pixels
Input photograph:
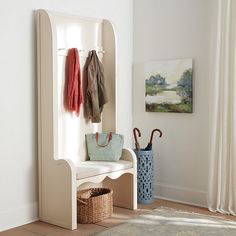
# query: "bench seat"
{"type": "Point", "coordinates": [87, 169]}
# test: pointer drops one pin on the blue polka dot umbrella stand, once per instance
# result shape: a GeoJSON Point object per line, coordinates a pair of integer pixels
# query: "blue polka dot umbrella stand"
{"type": "Point", "coordinates": [145, 176]}
{"type": "Point", "coordinates": [145, 169]}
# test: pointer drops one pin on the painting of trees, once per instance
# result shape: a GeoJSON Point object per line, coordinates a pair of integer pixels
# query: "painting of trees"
{"type": "Point", "coordinates": [168, 86]}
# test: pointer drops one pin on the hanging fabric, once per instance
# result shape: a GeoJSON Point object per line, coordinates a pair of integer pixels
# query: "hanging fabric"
{"type": "Point", "coordinates": [222, 166]}
{"type": "Point", "coordinates": [74, 85]}
{"type": "Point", "coordinates": [95, 92]}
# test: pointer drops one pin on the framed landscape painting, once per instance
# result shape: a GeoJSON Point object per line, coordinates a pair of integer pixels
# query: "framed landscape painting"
{"type": "Point", "coordinates": [168, 86]}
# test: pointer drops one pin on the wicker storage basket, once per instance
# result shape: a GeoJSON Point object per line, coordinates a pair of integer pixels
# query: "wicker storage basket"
{"type": "Point", "coordinates": [94, 205]}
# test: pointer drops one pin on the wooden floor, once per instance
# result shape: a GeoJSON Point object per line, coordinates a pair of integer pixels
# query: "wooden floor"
{"type": "Point", "coordinates": [120, 215]}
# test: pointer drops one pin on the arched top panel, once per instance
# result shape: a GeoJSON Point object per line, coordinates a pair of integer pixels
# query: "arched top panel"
{"type": "Point", "coordinates": [67, 132]}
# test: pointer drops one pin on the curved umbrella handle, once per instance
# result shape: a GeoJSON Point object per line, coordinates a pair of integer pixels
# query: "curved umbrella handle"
{"type": "Point", "coordinates": [160, 134]}
{"type": "Point", "coordinates": [135, 136]}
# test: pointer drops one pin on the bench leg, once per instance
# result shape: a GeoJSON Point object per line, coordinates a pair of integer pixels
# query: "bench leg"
{"type": "Point", "coordinates": [124, 190]}
{"type": "Point", "coordinates": [57, 202]}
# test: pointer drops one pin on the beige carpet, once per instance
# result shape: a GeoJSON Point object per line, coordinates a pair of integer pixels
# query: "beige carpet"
{"type": "Point", "coordinates": [170, 222]}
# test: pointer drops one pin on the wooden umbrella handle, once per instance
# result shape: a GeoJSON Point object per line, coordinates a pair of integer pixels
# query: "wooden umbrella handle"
{"type": "Point", "coordinates": [135, 136]}
{"type": "Point", "coordinates": [158, 130]}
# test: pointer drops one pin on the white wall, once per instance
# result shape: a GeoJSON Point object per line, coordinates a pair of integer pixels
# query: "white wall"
{"type": "Point", "coordinates": [18, 127]}
{"type": "Point", "coordinates": [170, 29]}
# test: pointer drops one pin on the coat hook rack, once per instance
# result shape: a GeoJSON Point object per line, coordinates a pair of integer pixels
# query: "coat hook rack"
{"type": "Point", "coordinates": [80, 50]}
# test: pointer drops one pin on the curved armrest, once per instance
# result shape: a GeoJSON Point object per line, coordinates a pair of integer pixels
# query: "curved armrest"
{"type": "Point", "coordinates": [68, 164]}
{"type": "Point", "coordinates": [129, 155]}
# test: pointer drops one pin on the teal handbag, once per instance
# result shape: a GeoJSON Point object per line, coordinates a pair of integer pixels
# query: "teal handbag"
{"type": "Point", "coordinates": [104, 146]}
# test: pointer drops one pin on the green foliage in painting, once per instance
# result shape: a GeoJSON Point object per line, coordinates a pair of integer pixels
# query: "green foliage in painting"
{"type": "Point", "coordinates": [184, 89]}
{"type": "Point", "coordinates": [155, 84]}
{"type": "Point", "coordinates": [165, 107]}
{"type": "Point", "coordinates": [156, 80]}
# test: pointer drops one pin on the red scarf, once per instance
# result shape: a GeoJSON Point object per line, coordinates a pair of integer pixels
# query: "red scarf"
{"type": "Point", "coordinates": [74, 85]}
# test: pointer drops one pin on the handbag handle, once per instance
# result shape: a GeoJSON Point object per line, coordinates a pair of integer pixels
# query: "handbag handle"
{"type": "Point", "coordinates": [82, 202]}
{"type": "Point", "coordinates": [109, 140]}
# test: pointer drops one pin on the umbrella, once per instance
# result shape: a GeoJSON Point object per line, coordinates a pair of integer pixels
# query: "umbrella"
{"type": "Point", "coordinates": [149, 146]}
{"type": "Point", "coordinates": [137, 146]}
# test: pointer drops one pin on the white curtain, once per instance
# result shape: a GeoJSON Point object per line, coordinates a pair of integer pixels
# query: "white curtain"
{"type": "Point", "coordinates": [222, 168]}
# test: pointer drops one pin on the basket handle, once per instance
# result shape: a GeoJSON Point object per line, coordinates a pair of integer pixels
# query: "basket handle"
{"type": "Point", "coordinates": [79, 200]}
{"type": "Point", "coordinates": [109, 140]}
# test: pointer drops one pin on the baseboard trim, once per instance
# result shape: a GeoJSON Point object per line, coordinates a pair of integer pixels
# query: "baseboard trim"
{"type": "Point", "coordinates": [181, 194]}
{"type": "Point", "coordinates": [17, 216]}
